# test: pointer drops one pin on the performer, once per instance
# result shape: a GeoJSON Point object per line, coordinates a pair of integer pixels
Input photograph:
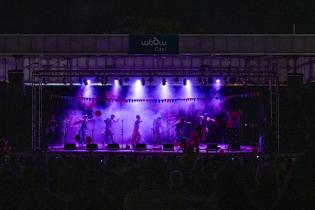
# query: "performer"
{"type": "Point", "coordinates": [136, 137]}
{"type": "Point", "coordinates": [109, 134]}
{"type": "Point", "coordinates": [195, 138]}
{"type": "Point", "coordinates": [204, 122]}
{"type": "Point", "coordinates": [179, 129]}
{"type": "Point", "coordinates": [157, 126]}
{"type": "Point", "coordinates": [83, 127]}
{"type": "Point", "coordinates": [52, 128]}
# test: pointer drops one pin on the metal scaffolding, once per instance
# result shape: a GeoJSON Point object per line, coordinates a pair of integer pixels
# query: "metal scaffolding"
{"type": "Point", "coordinates": [269, 76]}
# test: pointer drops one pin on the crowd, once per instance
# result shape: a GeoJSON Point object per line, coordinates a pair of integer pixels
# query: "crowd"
{"type": "Point", "coordinates": [96, 182]}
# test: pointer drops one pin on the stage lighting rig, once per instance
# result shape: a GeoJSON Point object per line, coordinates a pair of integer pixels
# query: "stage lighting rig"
{"type": "Point", "coordinates": [121, 82]}
{"type": "Point", "coordinates": [143, 82]}
{"type": "Point", "coordinates": [163, 81]}
{"type": "Point", "coordinates": [184, 82]}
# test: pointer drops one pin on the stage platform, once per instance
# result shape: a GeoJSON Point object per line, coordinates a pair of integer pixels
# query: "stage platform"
{"type": "Point", "coordinates": [223, 149]}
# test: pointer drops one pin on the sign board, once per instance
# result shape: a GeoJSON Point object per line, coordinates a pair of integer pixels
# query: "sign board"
{"type": "Point", "coordinates": [153, 44]}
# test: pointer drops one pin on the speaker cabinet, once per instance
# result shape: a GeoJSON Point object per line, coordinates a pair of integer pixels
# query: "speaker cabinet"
{"type": "Point", "coordinates": [168, 147]}
{"type": "Point", "coordinates": [235, 147]}
{"type": "Point", "coordinates": [69, 147]}
{"type": "Point", "coordinates": [91, 146]}
{"type": "Point", "coordinates": [141, 146]}
{"type": "Point", "coordinates": [212, 147]}
{"type": "Point", "coordinates": [113, 146]}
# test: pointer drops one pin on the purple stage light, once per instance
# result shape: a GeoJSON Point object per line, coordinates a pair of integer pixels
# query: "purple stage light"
{"type": "Point", "coordinates": [218, 81]}
{"type": "Point", "coordinates": [88, 82]}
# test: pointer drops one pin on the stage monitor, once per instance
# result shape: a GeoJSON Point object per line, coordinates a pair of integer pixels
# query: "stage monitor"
{"type": "Point", "coordinates": [212, 147]}
{"type": "Point", "coordinates": [69, 147]}
{"type": "Point", "coordinates": [91, 146]}
{"type": "Point", "coordinates": [113, 146]}
{"type": "Point", "coordinates": [235, 147]}
{"type": "Point", "coordinates": [141, 146]}
{"type": "Point", "coordinates": [168, 147]}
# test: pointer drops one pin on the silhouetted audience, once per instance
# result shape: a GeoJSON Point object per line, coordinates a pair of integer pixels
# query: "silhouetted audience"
{"type": "Point", "coordinates": [50, 181]}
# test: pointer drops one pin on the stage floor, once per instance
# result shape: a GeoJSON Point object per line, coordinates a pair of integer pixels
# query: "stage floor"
{"type": "Point", "coordinates": [150, 150]}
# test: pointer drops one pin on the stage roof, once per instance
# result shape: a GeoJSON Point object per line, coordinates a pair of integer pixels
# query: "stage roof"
{"type": "Point", "coordinates": [110, 44]}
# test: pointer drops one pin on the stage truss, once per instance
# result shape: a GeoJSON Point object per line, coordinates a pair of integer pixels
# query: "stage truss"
{"type": "Point", "coordinates": [268, 76]}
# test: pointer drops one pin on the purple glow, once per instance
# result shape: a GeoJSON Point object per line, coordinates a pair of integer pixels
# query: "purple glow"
{"type": "Point", "coordinates": [116, 82]}
{"type": "Point", "coordinates": [218, 81]}
{"type": "Point", "coordinates": [188, 89]}
{"type": "Point", "coordinates": [88, 82]}
{"type": "Point", "coordinates": [138, 90]}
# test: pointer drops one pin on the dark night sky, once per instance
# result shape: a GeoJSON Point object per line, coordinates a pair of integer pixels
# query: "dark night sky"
{"type": "Point", "coordinates": [164, 16]}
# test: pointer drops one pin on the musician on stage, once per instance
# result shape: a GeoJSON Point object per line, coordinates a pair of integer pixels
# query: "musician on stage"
{"type": "Point", "coordinates": [52, 129]}
{"type": "Point", "coordinates": [109, 134]}
{"type": "Point", "coordinates": [157, 126]}
{"type": "Point", "coordinates": [204, 122]}
{"type": "Point", "coordinates": [83, 127]}
{"type": "Point", "coordinates": [195, 138]}
{"type": "Point", "coordinates": [136, 136]}
{"type": "Point", "coordinates": [179, 129]}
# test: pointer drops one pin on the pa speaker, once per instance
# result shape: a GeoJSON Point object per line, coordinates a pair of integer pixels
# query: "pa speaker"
{"type": "Point", "coordinates": [168, 147]}
{"type": "Point", "coordinates": [16, 82]}
{"type": "Point", "coordinates": [141, 146]}
{"type": "Point", "coordinates": [69, 146]}
{"type": "Point", "coordinates": [234, 147]}
{"type": "Point", "coordinates": [212, 147]}
{"type": "Point", "coordinates": [113, 146]}
{"type": "Point", "coordinates": [295, 80]}
{"type": "Point", "coordinates": [91, 146]}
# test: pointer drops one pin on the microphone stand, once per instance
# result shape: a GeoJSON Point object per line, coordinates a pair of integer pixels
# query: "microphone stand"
{"type": "Point", "coordinates": [122, 134]}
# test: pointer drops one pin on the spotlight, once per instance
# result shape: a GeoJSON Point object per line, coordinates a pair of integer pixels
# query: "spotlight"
{"type": "Point", "coordinates": [121, 82]}
{"type": "Point", "coordinates": [64, 80]}
{"type": "Point", "coordinates": [184, 82]}
{"type": "Point", "coordinates": [217, 81]}
{"type": "Point", "coordinates": [210, 80]}
{"type": "Point", "coordinates": [104, 81]}
{"type": "Point", "coordinates": [163, 81]}
{"type": "Point", "coordinates": [143, 82]}
{"type": "Point", "coordinates": [233, 80]}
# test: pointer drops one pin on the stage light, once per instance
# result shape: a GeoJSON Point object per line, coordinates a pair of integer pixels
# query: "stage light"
{"type": "Point", "coordinates": [217, 81]}
{"type": "Point", "coordinates": [233, 80]}
{"type": "Point", "coordinates": [64, 80]}
{"type": "Point", "coordinates": [116, 82]}
{"type": "Point", "coordinates": [163, 81]}
{"type": "Point", "coordinates": [121, 82]}
{"type": "Point", "coordinates": [184, 82]}
{"type": "Point", "coordinates": [210, 80]}
{"type": "Point", "coordinates": [104, 81]}
{"type": "Point", "coordinates": [143, 82]}
{"type": "Point", "coordinates": [88, 82]}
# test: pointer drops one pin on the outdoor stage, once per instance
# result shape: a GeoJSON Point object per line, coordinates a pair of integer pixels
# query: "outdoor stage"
{"type": "Point", "coordinates": [154, 150]}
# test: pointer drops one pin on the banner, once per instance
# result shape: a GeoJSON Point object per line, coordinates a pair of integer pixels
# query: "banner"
{"type": "Point", "coordinates": [160, 100]}
{"type": "Point", "coordinates": [153, 44]}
